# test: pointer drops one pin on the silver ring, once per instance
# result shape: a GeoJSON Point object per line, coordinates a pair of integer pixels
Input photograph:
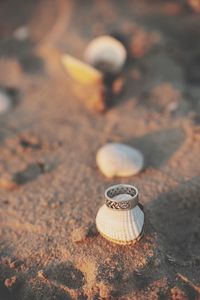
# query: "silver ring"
{"type": "Point", "coordinates": [121, 203]}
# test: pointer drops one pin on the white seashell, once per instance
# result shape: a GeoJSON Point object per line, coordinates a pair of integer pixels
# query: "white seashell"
{"type": "Point", "coordinates": [87, 82]}
{"type": "Point", "coordinates": [21, 33]}
{"type": "Point", "coordinates": [107, 53]}
{"type": "Point", "coordinates": [122, 197]}
{"type": "Point", "coordinates": [121, 226]}
{"type": "Point", "coordinates": [116, 159]}
{"type": "Point", "coordinates": [5, 102]}
{"type": "Point", "coordinates": [80, 71]}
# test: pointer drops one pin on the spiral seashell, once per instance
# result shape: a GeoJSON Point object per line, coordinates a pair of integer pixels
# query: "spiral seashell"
{"type": "Point", "coordinates": [116, 159]}
{"type": "Point", "coordinates": [106, 53]}
{"type": "Point", "coordinates": [121, 219]}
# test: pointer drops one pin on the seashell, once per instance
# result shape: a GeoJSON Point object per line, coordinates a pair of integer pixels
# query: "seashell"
{"type": "Point", "coordinates": [116, 159]}
{"type": "Point", "coordinates": [195, 5]}
{"type": "Point", "coordinates": [121, 218]}
{"type": "Point", "coordinates": [5, 102]}
{"type": "Point", "coordinates": [87, 83]}
{"type": "Point", "coordinates": [106, 53]}
{"type": "Point", "coordinates": [80, 71]}
{"type": "Point", "coordinates": [21, 33]}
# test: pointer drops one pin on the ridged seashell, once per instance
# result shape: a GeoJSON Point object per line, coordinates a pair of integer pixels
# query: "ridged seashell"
{"type": "Point", "coordinates": [121, 219]}
{"type": "Point", "coordinates": [5, 102]}
{"type": "Point", "coordinates": [106, 53]}
{"type": "Point", "coordinates": [80, 71]}
{"type": "Point", "coordinates": [116, 159]}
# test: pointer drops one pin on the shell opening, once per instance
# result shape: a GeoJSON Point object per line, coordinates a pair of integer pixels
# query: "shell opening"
{"type": "Point", "coordinates": [121, 189]}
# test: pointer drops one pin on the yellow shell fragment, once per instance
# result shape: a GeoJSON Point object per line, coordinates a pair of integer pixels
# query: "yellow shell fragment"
{"type": "Point", "coordinates": [80, 71]}
{"type": "Point", "coordinates": [115, 159]}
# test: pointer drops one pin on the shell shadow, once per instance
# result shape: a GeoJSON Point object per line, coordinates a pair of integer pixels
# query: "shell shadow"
{"type": "Point", "coordinates": [159, 146]}
{"type": "Point", "coordinates": [180, 210]}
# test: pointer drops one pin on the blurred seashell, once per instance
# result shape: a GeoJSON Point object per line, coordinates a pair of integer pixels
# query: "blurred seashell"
{"type": "Point", "coordinates": [106, 53]}
{"type": "Point", "coordinates": [195, 5]}
{"type": "Point", "coordinates": [115, 221]}
{"type": "Point", "coordinates": [87, 83]}
{"type": "Point", "coordinates": [116, 159]}
{"type": "Point", "coordinates": [21, 33]}
{"type": "Point", "coordinates": [80, 71]}
{"type": "Point", "coordinates": [5, 102]}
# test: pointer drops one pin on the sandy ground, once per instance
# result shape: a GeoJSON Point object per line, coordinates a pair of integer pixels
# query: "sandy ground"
{"type": "Point", "coordinates": [51, 188]}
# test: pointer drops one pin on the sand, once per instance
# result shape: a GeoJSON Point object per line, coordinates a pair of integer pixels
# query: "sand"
{"type": "Point", "coordinates": [51, 188]}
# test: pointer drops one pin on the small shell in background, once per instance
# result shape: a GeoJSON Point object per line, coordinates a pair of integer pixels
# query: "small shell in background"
{"type": "Point", "coordinates": [5, 102]}
{"type": "Point", "coordinates": [116, 159]}
{"type": "Point", "coordinates": [106, 54]}
{"type": "Point", "coordinates": [90, 81]}
{"type": "Point", "coordinates": [8, 184]}
{"type": "Point", "coordinates": [87, 83]}
{"type": "Point", "coordinates": [121, 226]}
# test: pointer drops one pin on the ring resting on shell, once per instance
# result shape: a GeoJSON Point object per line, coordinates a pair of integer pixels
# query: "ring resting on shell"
{"type": "Point", "coordinates": [121, 218]}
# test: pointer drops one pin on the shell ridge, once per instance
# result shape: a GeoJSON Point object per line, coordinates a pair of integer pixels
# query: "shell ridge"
{"type": "Point", "coordinates": [129, 226]}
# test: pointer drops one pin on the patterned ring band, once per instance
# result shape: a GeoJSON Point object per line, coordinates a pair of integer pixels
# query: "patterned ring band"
{"type": "Point", "coordinates": [113, 200]}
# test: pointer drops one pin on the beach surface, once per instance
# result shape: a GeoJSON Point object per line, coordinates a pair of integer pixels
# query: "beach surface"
{"type": "Point", "coordinates": [50, 186]}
